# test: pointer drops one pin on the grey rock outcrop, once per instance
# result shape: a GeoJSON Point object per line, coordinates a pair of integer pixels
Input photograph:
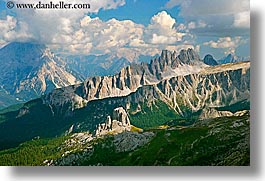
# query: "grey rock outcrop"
{"type": "Point", "coordinates": [208, 113]}
{"type": "Point", "coordinates": [129, 141]}
{"type": "Point", "coordinates": [118, 123]}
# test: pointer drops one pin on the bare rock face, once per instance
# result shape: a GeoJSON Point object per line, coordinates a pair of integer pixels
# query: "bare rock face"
{"type": "Point", "coordinates": [129, 141]}
{"type": "Point", "coordinates": [213, 87]}
{"type": "Point", "coordinates": [118, 123]}
{"type": "Point", "coordinates": [188, 56]}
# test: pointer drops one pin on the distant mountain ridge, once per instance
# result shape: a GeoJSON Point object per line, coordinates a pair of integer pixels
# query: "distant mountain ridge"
{"type": "Point", "coordinates": [232, 58]}
{"type": "Point", "coordinates": [30, 70]}
{"type": "Point", "coordinates": [101, 65]}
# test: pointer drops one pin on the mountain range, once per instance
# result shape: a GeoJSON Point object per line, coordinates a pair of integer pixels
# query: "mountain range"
{"type": "Point", "coordinates": [179, 83]}
{"type": "Point", "coordinates": [30, 70]}
{"type": "Point", "coordinates": [101, 65]}
{"type": "Point", "coordinates": [230, 58]}
{"type": "Point", "coordinates": [187, 102]}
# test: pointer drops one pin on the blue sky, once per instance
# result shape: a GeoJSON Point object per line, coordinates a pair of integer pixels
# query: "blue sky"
{"type": "Point", "coordinates": [139, 11]}
{"type": "Point", "coordinates": [133, 27]}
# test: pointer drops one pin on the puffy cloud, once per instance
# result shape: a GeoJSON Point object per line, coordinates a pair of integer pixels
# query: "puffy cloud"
{"type": "Point", "coordinates": [44, 24]}
{"type": "Point", "coordinates": [162, 20]}
{"type": "Point", "coordinates": [12, 30]}
{"type": "Point", "coordinates": [123, 38]}
{"type": "Point", "coordinates": [228, 43]}
{"type": "Point", "coordinates": [76, 32]}
{"type": "Point", "coordinates": [218, 18]}
{"type": "Point", "coordinates": [161, 30]}
{"type": "Point", "coordinates": [209, 7]}
{"type": "Point", "coordinates": [198, 24]}
{"type": "Point", "coordinates": [109, 36]}
{"type": "Point", "coordinates": [242, 19]}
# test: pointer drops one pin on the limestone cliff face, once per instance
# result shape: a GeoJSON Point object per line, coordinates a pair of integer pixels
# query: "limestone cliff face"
{"type": "Point", "coordinates": [210, 88]}
{"type": "Point", "coordinates": [213, 87]}
{"type": "Point", "coordinates": [117, 123]}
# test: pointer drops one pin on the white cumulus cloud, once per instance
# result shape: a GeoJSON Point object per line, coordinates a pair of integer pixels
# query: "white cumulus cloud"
{"type": "Point", "coordinates": [12, 30]}
{"type": "Point", "coordinates": [217, 17]}
{"type": "Point", "coordinates": [227, 43]}
{"type": "Point", "coordinates": [76, 32]}
{"type": "Point", "coordinates": [242, 19]}
{"type": "Point", "coordinates": [45, 23]}
{"type": "Point", "coordinates": [161, 30]}
{"type": "Point", "coordinates": [94, 36]}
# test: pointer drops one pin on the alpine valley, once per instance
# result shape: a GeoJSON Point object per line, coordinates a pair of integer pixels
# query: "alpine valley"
{"type": "Point", "coordinates": [176, 109]}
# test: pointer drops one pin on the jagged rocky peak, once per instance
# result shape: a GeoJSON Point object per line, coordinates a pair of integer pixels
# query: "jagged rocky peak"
{"type": "Point", "coordinates": [209, 60]}
{"type": "Point", "coordinates": [167, 56]}
{"type": "Point", "coordinates": [172, 63]}
{"type": "Point", "coordinates": [188, 56]}
{"type": "Point", "coordinates": [172, 59]}
{"type": "Point", "coordinates": [120, 115]}
{"type": "Point", "coordinates": [117, 123]}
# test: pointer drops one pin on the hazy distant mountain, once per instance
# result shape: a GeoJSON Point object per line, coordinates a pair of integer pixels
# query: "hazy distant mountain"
{"type": "Point", "coordinates": [231, 58]}
{"type": "Point", "coordinates": [101, 65]}
{"type": "Point", "coordinates": [29, 70]}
